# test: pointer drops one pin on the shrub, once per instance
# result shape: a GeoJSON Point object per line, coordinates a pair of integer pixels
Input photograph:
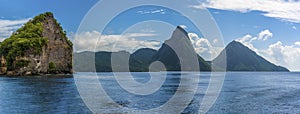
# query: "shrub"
{"type": "Point", "coordinates": [22, 63]}
{"type": "Point", "coordinates": [52, 66]}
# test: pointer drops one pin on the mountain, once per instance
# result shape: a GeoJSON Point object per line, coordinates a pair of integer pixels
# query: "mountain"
{"type": "Point", "coordinates": [174, 53]}
{"type": "Point", "coordinates": [140, 60]}
{"type": "Point", "coordinates": [123, 61]}
{"type": "Point", "coordinates": [241, 58]}
{"type": "Point", "coordinates": [38, 47]}
{"type": "Point", "coordinates": [101, 61]}
{"type": "Point", "coordinates": [83, 62]}
{"type": "Point", "coordinates": [178, 47]}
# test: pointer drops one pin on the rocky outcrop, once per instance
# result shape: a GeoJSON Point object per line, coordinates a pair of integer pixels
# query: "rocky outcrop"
{"type": "Point", "coordinates": [58, 50]}
{"type": "Point", "coordinates": [46, 50]}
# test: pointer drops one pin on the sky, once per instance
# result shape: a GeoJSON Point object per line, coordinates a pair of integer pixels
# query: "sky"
{"type": "Point", "coordinates": [271, 28]}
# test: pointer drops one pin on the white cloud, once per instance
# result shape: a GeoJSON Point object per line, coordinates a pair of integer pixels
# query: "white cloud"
{"type": "Point", "coordinates": [297, 43]}
{"type": "Point", "coordinates": [147, 30]}
{"type": "Point", "coordinates": [215, 41]}
{"type": "Point", "coordinates": [183, 26]}
{"type": "Point", "coordinates": [7, 27]}
{"type": "Point", "coordinates": [264, 35]}
{"type": "Point", "coordinates": [288, 10]}
{"type": "Point", "coordinates": [216, 12]}
{"type": "Point", "coordinates": [277, 53]}
{"type": "Point", "coordinates": [203, 47]}
{"type": "Point", "coordinates": [87, 41]}
{"type": "Point", "coordinates": [284, 55]}
{"type": "Point", "coordinates": [294, 27]}
{"type": "Point", "coordinates": [132, 35]}
{"type": "Point", "coordinates": [153, 11]}
{"type": "Point", "coordinates": [247, 40]}
{"type": "Point", "coordinates": [198, 6]}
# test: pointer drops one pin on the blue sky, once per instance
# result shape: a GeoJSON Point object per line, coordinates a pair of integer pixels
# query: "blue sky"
{"type": "Point", "coordinates": [235, 24]}
{"type": "Point", "coordinates": [68, 12]}
{"type": "Point", "coordinates": [272, 32]}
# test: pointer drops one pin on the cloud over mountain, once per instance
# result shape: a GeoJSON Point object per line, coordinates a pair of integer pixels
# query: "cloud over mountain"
{"type": "Point", "coordinates": [94, 41]}
{"type": "Point", "coordinates": [204, 47]}
{"type": "Point", "coordinates": [248, 39]}
{"type": "Point", "coordinates": [278, 52]}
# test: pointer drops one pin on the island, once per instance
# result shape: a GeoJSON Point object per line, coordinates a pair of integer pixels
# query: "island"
{"type": "Point", "coordinates": [40, 46]}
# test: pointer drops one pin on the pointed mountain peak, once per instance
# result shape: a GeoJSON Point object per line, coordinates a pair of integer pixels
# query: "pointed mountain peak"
{"type": "Point", "coordinates": [234, 42]}
{"type": "Point", "coordinates": [179, 28]}
{"type": "Point", "coordinates": [179, 35]}
{"type": "Point", "coordinates": [179, 46]}
{"type": "Point", "coordinates": [241, 58]}
{"type": "Point", "coordinates": [237, 44]}
{"type": "Point", "coordinates": [42, 17]}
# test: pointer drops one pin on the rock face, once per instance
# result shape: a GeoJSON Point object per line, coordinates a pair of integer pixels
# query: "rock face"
{"type": "Point", "coordinates": [178, 54]}
{"type": "Point", "coordinates": [40, 47]}
{"type": "Point", "coordinates": [241, 58]}
{"type": "Point", "coordinates": [58, 50]}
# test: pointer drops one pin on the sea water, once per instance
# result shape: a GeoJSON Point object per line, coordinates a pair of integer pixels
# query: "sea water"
{"type": "Point", "coordinates": [242, 92]}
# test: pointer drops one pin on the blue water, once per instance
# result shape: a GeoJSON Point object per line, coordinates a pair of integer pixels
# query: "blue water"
{"type": "Point", "coordinates": [241, 93]}
{"type": "Point", "coordinates": [39, 95]}
{"type": "Point", "coordinates": [259, 93]}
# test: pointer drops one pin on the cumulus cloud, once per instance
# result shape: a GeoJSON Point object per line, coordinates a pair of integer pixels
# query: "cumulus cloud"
{"type": "Point", "coordinates": [297, 43]}
{"type": "Point", "coordinates": [248, 39]}
{"type": "Point", "coordinates": [284, 55]}
{"type": "Point", "coordinates": [287, 10]}
{"type": "Point", "coordinates": [264, 35]}
{"type": "Point", "coordinates": [204, 47]}
{"type": "Point", "coordinates": [277, 53]}
{"type": "Point", "coordinates": [7, 27]}
{"type": "Point", "coordinates": [94, 41]}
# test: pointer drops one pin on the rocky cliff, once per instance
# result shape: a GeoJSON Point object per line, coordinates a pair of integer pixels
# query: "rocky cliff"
{"type": "Point", "coordinates": [39, 47]}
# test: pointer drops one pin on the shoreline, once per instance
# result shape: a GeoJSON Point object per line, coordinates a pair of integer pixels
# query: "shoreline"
{"type": "Point", "coordinates": [41, 75]}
